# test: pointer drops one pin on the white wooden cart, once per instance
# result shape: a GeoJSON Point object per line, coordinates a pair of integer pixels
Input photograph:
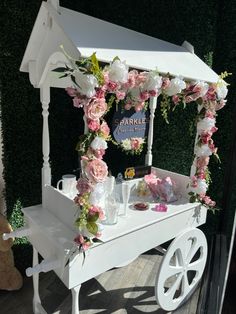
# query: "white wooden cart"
{"type": "Point", "coordinates": [49, 226]}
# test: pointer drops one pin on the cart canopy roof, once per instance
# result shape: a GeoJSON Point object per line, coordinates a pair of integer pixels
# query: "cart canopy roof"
{"type": "Point", "coordinates": [82, 35]}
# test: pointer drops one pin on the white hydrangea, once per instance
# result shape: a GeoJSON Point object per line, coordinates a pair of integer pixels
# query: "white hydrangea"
{"type": "Point", "coordinates": [221, 89]}
{"type": "Point", "coordinates": [203, 150]}
{"type": "Point", "coordinates": [118, 71]}
{"type": "Point", "coordinates": [175, 87]}
{"type": "Point", "coordinates": [205, 124]}
{"type": "Point", "coordinates": [98, 143]}
{"type": "Point", "coordinates": [153, 81]}
{"type": "Point", "coordinates": [86, 83]}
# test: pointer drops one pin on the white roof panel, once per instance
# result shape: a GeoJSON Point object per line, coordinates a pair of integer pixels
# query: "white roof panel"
{"type": "Point", "coordinates": [88, 34]}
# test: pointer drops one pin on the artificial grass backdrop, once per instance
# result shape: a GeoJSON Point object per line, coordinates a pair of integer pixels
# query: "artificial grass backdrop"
{"type": "Point", "coordinates": [208, 25]}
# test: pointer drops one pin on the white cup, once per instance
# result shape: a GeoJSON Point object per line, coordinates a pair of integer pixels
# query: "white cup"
{"type": "Point", "coordinates": [68, 184]}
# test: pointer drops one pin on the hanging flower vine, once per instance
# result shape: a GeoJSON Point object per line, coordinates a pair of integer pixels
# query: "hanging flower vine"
{"type": "Point", "coordinates": [96, 88]}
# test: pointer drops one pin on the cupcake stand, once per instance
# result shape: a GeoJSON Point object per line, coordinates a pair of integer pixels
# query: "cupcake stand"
{"type": "Point", "coordinates": [49, 226]}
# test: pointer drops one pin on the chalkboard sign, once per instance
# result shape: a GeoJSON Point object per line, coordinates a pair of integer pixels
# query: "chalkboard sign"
{"type": "Point", "coordinates": [128, 123]}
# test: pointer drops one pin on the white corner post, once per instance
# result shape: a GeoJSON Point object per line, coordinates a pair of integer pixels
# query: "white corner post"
{"type": "Point", "coordinates": [194, 165]}
{"type": "Point", "coordinates": [46, 170]}
{"type": "Point", "coordinates": [152, 106]}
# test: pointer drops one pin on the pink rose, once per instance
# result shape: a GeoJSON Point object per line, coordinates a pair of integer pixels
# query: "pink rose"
{"type": "Point", "coordinates": [93, 125]}
{"type": "Point", "coordinates": [112, 86]}
{"type": "Point", "coordinates": [153, 93]}
{"type": "Point", "coordinates": [81, 241]}
{"type": "Point", "coordinates": [203, 161]}
{"type": "Point", "coordinates": [95, 109]}
{"type": "Point", "coordinates": [98, 153]}
{"type": "Point", "coordinates": [139, 106]}
{"type": "Point", "coordinates": [120, 95]}
{"type": "Point", "coordinates": [77, 102]}
{"type": "Point", "coordinates": [175, 99]}
{"type": "Point", "coordinates": [135, 143]}
{"type": "Point", "coordinates": [100, 93]}
{"type": "Point", "coordinates": [205, 137]}
{"type": "Point", "coordinates": [144, 95]}
{"type": "Point", "coordinates": [83, 186]}
{"type": "Point", "coordinates": [96, 209]}
{"type": "Point", "coordinates": [105, 130]}
{"type": "Point", "coordinates": [96, 170]}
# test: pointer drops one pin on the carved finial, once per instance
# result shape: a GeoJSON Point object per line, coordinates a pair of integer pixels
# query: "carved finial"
{"type": "Point", "coordinates": [55, 4]}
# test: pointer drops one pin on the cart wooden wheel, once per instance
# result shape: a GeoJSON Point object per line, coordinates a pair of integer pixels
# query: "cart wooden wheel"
{"type": "Point", "coordinates": [181, 269]}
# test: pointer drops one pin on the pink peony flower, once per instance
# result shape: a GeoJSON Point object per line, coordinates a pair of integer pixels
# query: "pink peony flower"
{"type": "Point", "coordinates": [96, 170]}
{"type": "Point", "coordinates": [95, 109]}
{"type": "Point", "coordinates": [83, 186]}
{"type": "Point", "coordinates": [93, 125]}
{"type": "Point", "coordinates": [105, 130]}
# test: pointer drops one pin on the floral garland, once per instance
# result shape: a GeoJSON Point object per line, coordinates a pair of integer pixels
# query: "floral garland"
{"type": "Point", "coordinates": [96, 89]}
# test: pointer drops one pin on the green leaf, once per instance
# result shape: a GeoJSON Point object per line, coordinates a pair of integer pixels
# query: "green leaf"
{"type": "Point", "coordinates": [116, 58]}
{"type": "Point", "coordinates": [193, 199]}
{"type": "Point", "coordinates": [59, 70]}
{"type": "Point", "coordinates": [93, 218]}
{"type": "Point", "coordinates": [92, 227]}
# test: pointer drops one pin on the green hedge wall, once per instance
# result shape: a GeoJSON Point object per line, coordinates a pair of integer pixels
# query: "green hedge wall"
{"type": "Point", "coordinates": [202, 23]}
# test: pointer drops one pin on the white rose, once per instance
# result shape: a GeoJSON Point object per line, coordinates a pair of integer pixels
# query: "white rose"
{"type": "Point", "coordinates": [175, 87]}
{"type": "Point", "coordinates": [153, 81]}
{"type": "Point", "coordinates": [205, 124]}
{"type": "Point", "coordinates": [201, 187]}
{"type": "Point", "coordinates": [98, 143]}
{"type": "Point", "coordinates": [86, 83]}
{"type": "Point", "coordinates": [203, 150]}
{"type": "Point", "coordinates": [221, 89]}
{"type": "Point", "coordinates": [118, 71]}
{"type": "Point", "coordinates": [126, 144]}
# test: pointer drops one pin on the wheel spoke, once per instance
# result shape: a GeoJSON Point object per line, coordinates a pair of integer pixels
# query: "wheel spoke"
{"type": "Point", "coordinates": [171, 292]}
{"type": "Point", "coordinates": [194, 248]}
{"type": "Point", "coordinates": [197, 265]}
{"type": "Point", "coordinates": [185, 285]}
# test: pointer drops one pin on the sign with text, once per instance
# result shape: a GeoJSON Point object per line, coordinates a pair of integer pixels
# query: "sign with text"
{"type": "Point", "coordinates": [128, 123]}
